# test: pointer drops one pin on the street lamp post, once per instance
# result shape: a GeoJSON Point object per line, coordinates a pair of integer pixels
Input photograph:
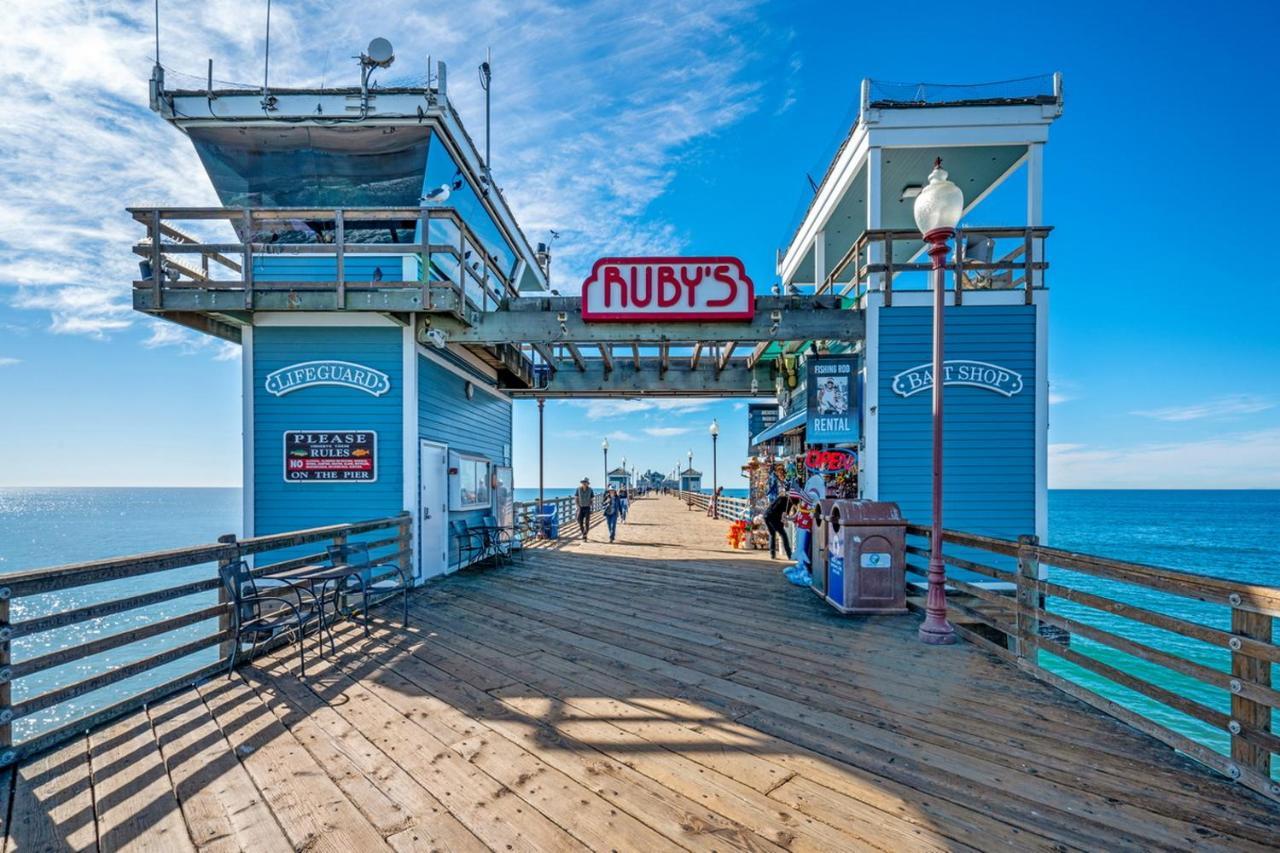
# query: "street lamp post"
{"type": "Point", "coordinates": [604, 445]}
{"type": "Point", "coordinates": [937, 212]}
{"type": "Point", "coordinates": [715, 504]}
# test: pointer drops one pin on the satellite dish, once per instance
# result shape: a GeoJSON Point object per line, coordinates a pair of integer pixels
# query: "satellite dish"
{"type": "Point", "coordinates": [380, 53]}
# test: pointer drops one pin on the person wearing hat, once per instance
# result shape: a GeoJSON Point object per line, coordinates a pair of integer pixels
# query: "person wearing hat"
{"type": "Point", "coordinates": [585, 496]}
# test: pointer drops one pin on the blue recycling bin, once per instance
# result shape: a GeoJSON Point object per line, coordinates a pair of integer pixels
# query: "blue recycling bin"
{"type": "Point", "coordinates": [549, 521]}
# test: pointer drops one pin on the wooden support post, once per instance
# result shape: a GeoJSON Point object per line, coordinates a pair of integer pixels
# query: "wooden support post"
{"type": "Point", "coordinates": [247, 271]}
{"type": "Point", "coordinates": [7, 754]}
{"type": "Point", "coordinates": [424, 259]}
{"type": "Point", "coordinates": [959, 268]}
{"type": "Point", "coordinates": [888, 281]}
{"type": "Point", "coordinates": [1246, 714]}
{"type": "Point", "coordinates": [340, 242]}
{"type": "Point", "coordinates": [226, 647]}
{"type": "Point", "coordinates": [1027, 641]}
{"type": "Point", "coordinates": [157, 263]}
{"type": "Point", "coordinates": [406, 544]}
{"type": "Point", "coordinates": [1028, 261]}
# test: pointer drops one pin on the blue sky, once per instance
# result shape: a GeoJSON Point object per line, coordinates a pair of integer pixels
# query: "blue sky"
{"type": "Point", "coordinates": [686, 127]}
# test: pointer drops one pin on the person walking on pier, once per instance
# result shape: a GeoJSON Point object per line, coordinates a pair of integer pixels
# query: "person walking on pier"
{"type": "Point", "coordinates": [773, 522]}
{"type": "Point", "coordinates": [624, 498]}
{"type": "Point", "coordinates": [585, 496]}
{"type": "Point", "coordinates": [612, 509]}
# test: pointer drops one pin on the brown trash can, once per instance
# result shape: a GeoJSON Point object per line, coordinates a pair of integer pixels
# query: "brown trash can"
{"type": "Point", "coordinates": [865, 565]}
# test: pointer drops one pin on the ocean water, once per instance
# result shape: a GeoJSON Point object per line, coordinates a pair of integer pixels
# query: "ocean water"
{"type": "Point", "coordinates": [1222, 533]}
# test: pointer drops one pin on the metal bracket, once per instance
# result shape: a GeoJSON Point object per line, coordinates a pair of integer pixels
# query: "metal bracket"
{"type": "Point", "coordinates": [1236, 686]}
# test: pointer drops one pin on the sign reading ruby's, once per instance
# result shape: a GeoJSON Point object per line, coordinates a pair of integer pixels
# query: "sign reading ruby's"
{"type": "Point", "coordinates": [691, 289]}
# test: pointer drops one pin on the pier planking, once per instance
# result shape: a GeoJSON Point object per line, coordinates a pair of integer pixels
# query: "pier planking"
{"type": "Point", "coordinates": [662, 692]}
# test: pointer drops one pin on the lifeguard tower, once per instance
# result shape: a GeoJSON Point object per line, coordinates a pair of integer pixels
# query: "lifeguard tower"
{"type": "Point", "coordinates": [349, 215]}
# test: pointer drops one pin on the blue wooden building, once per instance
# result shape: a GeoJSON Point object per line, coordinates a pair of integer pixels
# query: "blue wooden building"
{"type": "Point", "coordinates": [349, 215]}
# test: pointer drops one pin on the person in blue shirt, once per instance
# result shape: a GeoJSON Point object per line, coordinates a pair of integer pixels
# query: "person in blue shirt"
{"type": "Point", "coordinates": [612, 509]}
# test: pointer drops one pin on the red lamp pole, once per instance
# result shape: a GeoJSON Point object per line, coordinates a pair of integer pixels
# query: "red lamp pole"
{"type": "Point", "coordinates": [936, 630]}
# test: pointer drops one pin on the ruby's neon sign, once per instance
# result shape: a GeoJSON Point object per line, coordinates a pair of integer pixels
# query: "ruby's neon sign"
{"type": "Point", "coordinates": [710, 288]}
{"type": "Point", "coordinates": [830, 461]}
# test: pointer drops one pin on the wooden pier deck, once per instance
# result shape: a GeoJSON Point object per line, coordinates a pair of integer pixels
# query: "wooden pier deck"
{"type": "Point", "coordinates": [659, 693]}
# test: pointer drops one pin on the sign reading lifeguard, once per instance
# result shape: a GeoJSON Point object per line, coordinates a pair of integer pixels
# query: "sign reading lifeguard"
{"type": "Point", "coordinates": [688, 289]}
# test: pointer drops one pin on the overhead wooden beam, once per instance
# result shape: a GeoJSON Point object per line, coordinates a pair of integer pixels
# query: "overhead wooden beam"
{"type": "Point", "coordinates": [649, 380]}
{"type": "Point", "coordinates": [606, 356]}
{"type": "Point", "coordinates": [697, 355]}
{"type": "Point", "coordinates": [754, 358]}
{"type": "Point", "coordinates": [726, 354]}
{"type": "Point", "coordinates": [664, 357]}
{"type": "Point", "coordinates": [545, 351]}
{"type": "Point", "coordinates": [778, 318]}
{"type": "Point", "coordinates": [576, 356]}
{"type": "Point", "coordinates": [635, 353]}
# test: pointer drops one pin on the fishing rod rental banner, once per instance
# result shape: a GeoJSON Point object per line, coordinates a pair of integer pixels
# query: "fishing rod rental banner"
{"type": "Point", "coordinates": [833, 406]}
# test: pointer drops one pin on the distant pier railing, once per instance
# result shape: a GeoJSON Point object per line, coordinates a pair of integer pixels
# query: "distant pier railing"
{"type": "Point", "coordinates": [63, 616]}
{"type": "Point", "coordinates": [1223, 690]}
{"type": "Point", "coordinates": [732, 509]}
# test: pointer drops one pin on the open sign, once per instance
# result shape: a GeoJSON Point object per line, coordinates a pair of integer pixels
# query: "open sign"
{"type": "Point", "coordinates": [830, 461]}
{"type": "Point", "coordinates": [702, 288]}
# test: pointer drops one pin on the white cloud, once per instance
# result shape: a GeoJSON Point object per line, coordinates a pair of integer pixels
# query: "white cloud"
{"type": "Point", "coordinates": [1249, 460]}
{"type": "Point", "coordinates": [1219, 408]}
{"type": "Point", "coordinates": [8, 361]}
{"type": "Point", "coordinates": [593, 107]}
{"type": "Point", "coordinates": [1057, 397]}
{"type": "Point", "coordinates": [598, 409]}
{"type": "Point", "coordinates": [664, 432]}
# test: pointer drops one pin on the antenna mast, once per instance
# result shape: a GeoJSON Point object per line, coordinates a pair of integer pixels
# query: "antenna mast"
{"type": "Point", "coordinates": [486, 75]}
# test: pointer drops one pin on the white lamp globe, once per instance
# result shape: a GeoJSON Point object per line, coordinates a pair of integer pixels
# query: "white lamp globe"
{"type": "Point", "coordinates": [604, 445]}
{"type": "Point", "coordinates": [715, 428]}
{"type": "Point", "coordinates": [940, 203]}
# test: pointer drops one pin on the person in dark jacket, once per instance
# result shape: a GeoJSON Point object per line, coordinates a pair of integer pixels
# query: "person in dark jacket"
{"type": "Point", "coordinates": [612, 508]}
{"type": "Point", "coordinates": [773, 517]}
{"type": "Point", "coordinates": [585, 497]}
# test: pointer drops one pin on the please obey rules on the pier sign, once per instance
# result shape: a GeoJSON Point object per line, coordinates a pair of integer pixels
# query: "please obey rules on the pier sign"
{"type": "Point", "coordinates": [676, 289]}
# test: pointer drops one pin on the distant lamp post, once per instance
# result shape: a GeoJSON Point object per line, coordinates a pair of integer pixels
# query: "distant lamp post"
{"type": "Point", "coordinates": [715, 434]}
{"type": "Point", "coordinates": [604, 445]}
{"type": "Point", "coordinates": [937, 211]}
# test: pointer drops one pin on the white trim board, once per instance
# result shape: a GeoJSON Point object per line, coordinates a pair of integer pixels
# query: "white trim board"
{"type": "Point", "coordinates": [247, 491]}
{"type": "Point", "coordinates": [409, 439]}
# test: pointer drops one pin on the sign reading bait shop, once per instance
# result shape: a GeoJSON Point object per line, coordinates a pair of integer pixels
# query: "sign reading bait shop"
{"type": "Point", "coordinates": [330, 456]}
{"type": "Point", "coordinates": [978, 374]}
{"type": "Point", "coordinates": [307, 374]}
{"type": "Point", "coordinates": [691, 289]}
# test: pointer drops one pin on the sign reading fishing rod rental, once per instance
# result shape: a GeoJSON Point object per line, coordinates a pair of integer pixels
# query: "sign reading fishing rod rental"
{"type": "Point", "coordinates": [680, 289]}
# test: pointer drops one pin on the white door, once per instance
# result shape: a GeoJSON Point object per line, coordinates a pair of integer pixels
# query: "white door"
{"type": "Point", "coordinates": [433, 509]}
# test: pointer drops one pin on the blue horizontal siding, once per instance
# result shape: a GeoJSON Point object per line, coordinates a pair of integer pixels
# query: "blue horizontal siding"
{"type": "Point", "coordinates": [480, 426]}
{"type": "Point", "coordinates": [281, 506]}
{"type": "Point", "coordinates": [989, 466]}
{"type": "Point", "coordinates": [324, 268]}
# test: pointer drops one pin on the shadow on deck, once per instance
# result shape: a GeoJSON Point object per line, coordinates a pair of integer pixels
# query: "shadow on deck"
{"type": "Point", "coordinates": [632, 696]}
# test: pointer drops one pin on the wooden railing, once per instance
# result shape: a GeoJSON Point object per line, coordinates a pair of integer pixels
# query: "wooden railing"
{"type": "Point", "coordinates": [1229, 698]}
{"type": "Point", "coordinates": [473, 282]}
{"type": "Point", "coordinates": [731, 509]}
{"type": "Point", "coordinates": [1016, 262]}
{"type": "Point", "coordinates": [176, 648]}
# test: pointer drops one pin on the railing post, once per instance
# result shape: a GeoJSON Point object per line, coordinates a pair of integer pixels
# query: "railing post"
{"type": "Point", "coordinates": [1247, 714]}
{"type": "Point", "coordinates": [406, 544]}
{"type": "Point", "coordinates": [247, 263]}
{"type": "Point", "coordinates": [1027, 642]}
{"type": "Point", "coordinates": [157, 263]}
{"type": "Point", "coordinates": [1028, 260]}
{"type": "Point", "coordinates": [424, 258]}
{"type": "Point", "coordinates": [225, 648]}
{"type": "Point", "coordinates": [958, 276]}
{"type": "Point", "coordinates": [340, 242]}
{"type": "Point", "coordinates": [7, 754]}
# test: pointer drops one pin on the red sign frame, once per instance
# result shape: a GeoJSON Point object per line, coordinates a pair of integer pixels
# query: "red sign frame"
{"type": "Point", "coordinates": [672, 289]}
